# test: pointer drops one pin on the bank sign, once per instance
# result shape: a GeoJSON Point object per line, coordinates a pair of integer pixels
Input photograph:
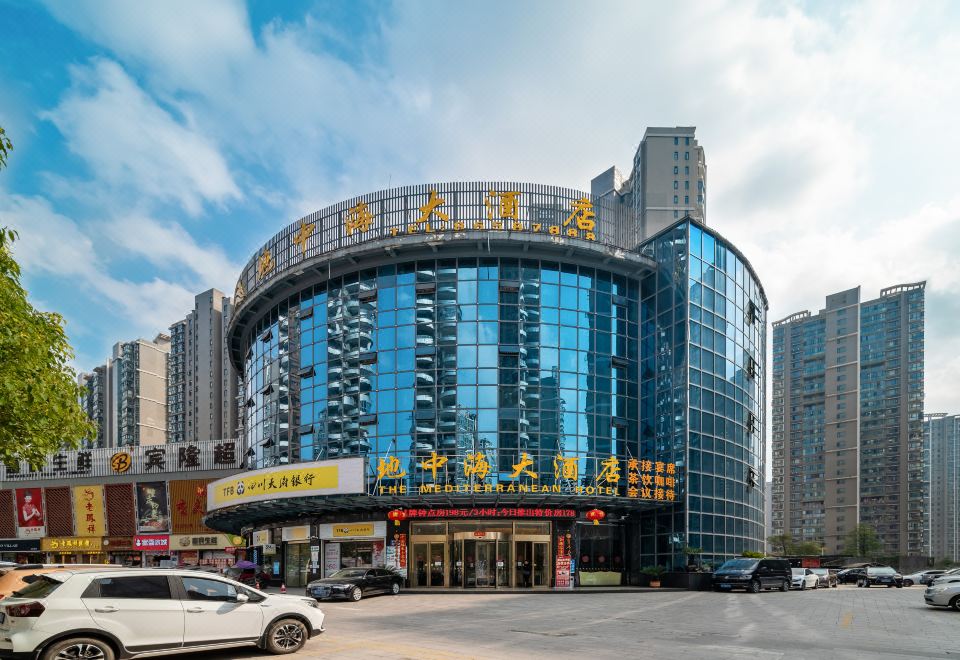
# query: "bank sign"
{"type": "Point", "coordinates": [339, 477]}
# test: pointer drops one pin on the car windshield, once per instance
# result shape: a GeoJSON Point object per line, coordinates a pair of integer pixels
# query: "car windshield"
{"type": "Point", "coordinates": [350, 573]}
{"type": "Point", "coordinates": [881, 570]}
{"type": "Point", "coordinates": [739, 565]}
{"type": "Point", "coordinates": [40, 588]}
{"type": "Point", "coordinates": [798, 571]}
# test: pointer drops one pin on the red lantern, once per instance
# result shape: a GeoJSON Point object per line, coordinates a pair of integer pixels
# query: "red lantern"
{"type": "Point", "coordinates": [596, 515]}
{"type": "Point", "coordinates": [397, 515]}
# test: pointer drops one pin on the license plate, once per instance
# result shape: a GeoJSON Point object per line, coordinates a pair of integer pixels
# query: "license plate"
{"type": "Point", "coordinates": [726, 585]}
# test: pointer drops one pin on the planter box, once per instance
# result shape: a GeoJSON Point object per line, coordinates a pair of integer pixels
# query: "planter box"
{"type": "Point", "coordinates": [599, 578]}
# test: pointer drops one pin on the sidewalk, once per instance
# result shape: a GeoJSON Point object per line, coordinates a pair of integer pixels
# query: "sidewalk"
{"type": "Point", "coordinates": [297, 591]}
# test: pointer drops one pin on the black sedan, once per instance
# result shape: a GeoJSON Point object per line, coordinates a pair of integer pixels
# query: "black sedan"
{"type": "Point", "coordinates": [355, 583]}
{"type": "Point", "coordinates": [883, 576]}
{"type": "Point", "coordinates": [851, 575]}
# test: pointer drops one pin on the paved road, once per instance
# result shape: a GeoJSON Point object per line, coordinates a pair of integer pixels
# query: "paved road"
{"type": "Point", "coordinates": [837, 623]}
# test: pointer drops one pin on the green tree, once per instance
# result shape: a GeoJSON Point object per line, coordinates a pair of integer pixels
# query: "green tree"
{"type": "Point", "coordinates": [781, 544]}
{"type": "Point", "coordinates": [40, 411]}
{"type": "Point", "coordinates": [807, 548]}
{"type": "Point", "coordinates": [862, 542]}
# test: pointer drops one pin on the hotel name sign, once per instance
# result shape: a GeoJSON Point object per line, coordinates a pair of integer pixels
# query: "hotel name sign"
{"type": "Point", "coordinates": [633, 478]}
{"type": "Point", "coordinates": [443, 210]}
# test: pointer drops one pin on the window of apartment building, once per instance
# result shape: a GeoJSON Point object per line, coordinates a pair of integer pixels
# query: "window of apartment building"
{"type": "Point", "coordinates": [686, 185]}
{"type": "Point", "coordinates": [676, 199]}
{"type": "Point", "coordinates": [676, 214]}
{"type": "Point", "coordinates": [686, 170]}
{"type": "Point", "coordinates": [686, 199]}
{"type": "Point", "coordinates": [686, 155]}
{"type": "Point", "coordinates": [676, 170]}
{"type": "Point", "coordinates": [676, 140]}
{"type": "Point", "coordinates": [686, 141]}
{"type": "Point", "coordinates": [676, 155]}
{"type": "Point", "coordinates": [676, 184]}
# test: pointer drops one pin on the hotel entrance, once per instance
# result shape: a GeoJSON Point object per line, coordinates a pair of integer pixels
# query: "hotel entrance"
{"type": "Point", "coordinates": [481, 555]}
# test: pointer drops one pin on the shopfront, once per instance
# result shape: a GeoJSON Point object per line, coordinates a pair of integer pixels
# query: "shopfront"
{"type": "Point", "coordinates": [21, 551]}
{"type": "Point", "coordinates": [296, 555]}
{"type": "Point", "coordinates": [352, 545]}
{"type": "Point", "coordinates": [211, 549]}
{"type": "Point", "coordinates": [120, 551]}
{"type": "Point", "coordinates": [476, 554]}
{"type": "Point", "coordinates": [74, 550]}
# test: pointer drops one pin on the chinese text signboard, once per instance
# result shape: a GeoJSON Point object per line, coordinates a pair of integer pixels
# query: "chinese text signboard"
{"type": "Point", "coordinates": [171, 458]}
{"type": "Point", "coordinates": [344, 476]}
{"type": "Point", "coordinates": [492, 512]}
{"type": "Point", "coordinates": [88, 515]}
{"type": "Point", "coordinates": [633, 478]}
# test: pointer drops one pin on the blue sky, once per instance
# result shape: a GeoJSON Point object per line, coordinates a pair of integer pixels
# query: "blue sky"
{"type": "Point", "coordinates": [157, 145]}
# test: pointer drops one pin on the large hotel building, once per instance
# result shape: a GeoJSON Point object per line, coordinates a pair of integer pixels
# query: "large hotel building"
{"type": "Point", "coordinates": [489, 383]}
{"type": "Point", "coordinates": [848, 444]}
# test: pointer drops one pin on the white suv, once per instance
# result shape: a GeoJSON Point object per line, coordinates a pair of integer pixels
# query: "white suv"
{"type": "Point", "coordinates": [125, 613]}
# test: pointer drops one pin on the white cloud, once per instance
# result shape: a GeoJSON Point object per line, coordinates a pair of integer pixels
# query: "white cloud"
{"type": "Point", "coordinates": [828, 133]}
{"type": "Point", "coordinates": [131, 142]}
{"type": "Point", "coordinates": [51, 243]}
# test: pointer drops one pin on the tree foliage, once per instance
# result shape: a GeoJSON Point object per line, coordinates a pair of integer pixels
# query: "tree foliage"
{"type": "Point", "coordinates": [5, 148]}
{"type": "Point", "coordinates": [40, 412]}
{"type": "Point", "coordinates": [780, 544]}
{"type": "Point", "coordinates": [862, 541]}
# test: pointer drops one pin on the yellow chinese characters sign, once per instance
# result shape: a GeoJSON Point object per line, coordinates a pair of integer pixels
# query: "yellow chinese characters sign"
{"type": "Point", "coordinates": [302, 480]}
{"type": "Point", "coordinates": [71, 544]}
{"type": "Point", "coordinates": [356, 529]}
{"type": "Point", "coordinates": [88, 514]}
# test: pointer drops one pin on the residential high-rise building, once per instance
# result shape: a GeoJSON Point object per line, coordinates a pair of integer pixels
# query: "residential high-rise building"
{"type": "Point", "coordinates": [138, 374]}
{"type": "Point", "coordinates": [942, 439]}
{"type": "Point", "coordinates": [848, 421]}
{"type": "Point", "coordinates": [96, 400]}
{"type": "Point", "coordinates": [202, 387]}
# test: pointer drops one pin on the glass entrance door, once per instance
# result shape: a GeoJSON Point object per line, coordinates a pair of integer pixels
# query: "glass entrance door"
{"type": "Point", "coordinates": [429, 564]}
{"type": "Point", "coordinates": [532, 564]}
{"type": "Point", "coordinates": [480, 565]}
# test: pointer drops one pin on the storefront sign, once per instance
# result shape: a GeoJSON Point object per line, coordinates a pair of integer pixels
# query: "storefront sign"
{"type": "Point", "coordinates": [19, 545]}
{"type": "Point", "coordinates": [331, 559]}
{"type": "Point", "coordinates": [261, 537]}
{"type": "Point", "coordinates": [88, 515]}
{"type": "Point", "coordinates": [269, 549]}
{"type": "Point", "coordinates": [71, 544]}
{"type": "Point", "coordinates": [352, 530]}
{"type": "Point", "coordinates": [30, 519]}
{"type": "Point", "coordinates": [156, 459]}
{"type": "Point", "coordinates": [498, 512]}
{"type": "Point", "coordinates": [296, 533]}
{"type": "Point", "coordinates": [633, 478]}
{"type": "Point", "coordinates": [188, 505]}
{"type": "Point", "coordinates": [151, 542]}
{"type": "Point", "coordinates": [153, 512]}
{"type": "Point", "coordinates": [302, 480]}
{"type": "Point", "coordinates": [202, 541]}
{"type": "Point", "coordinates": [118, 544]}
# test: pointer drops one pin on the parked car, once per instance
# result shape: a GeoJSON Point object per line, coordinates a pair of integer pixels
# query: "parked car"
{"type": "Point", "coordinates": [851, 575]}
{"type": "Point", "coordinates": [18, 576]}
{"type": "Point", "coordinates": [124, 613]}
{"type": "Point", "coordinates": [943, 595]}
{"type": "Point", "coordinates": [355, 583]}
{"type": "Point", "coordinates": [248, 575]}
{"type": "Point", "coordinates": [803, 579]}
{"type": "Point", "coordinates": [753, 575]}
{"type": "Point", "coordinates": [921, 577]}
{"type": "Point", "coordinates": [949, 576]}
{"type": "Point", "coordinates": [880, 575]}
{"type": "Point", "coordinates": [826, 577]}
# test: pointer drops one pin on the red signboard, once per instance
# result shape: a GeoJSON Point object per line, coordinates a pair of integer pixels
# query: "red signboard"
{"type": "Point", "coordinates": [151, 542]}
{"type": "Point", "coordinates": [810, 562]}
{"type": "Point", "coordinates": [492, 512]}
{"type": "Point", "coordinates": [563, 573]}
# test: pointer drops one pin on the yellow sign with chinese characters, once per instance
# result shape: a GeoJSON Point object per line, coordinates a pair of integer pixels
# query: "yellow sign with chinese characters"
{"type": "Point", "coordinates": [71, 544]}
{"type": "Point", "coordinates": [354, 529]}
{"type": "Point", "coordinates": [88, 515]}
{"type": "Point", "coordinates": [302, 480]}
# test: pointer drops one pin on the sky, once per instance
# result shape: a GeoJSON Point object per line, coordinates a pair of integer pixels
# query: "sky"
{"type": "Point", "coordinates": [157, 145]}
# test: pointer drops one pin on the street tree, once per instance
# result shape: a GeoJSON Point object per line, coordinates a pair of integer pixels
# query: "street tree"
{"type": "Point", "coordinates": [781, 544]}
{"type": "Point", "coordinates": [40, 410]}
{"type": "Point", "coordinates": [807, 548]}
{"type": "Point", "coordinates": [862, 541]}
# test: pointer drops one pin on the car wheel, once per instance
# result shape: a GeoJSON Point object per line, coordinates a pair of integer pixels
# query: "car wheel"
{"type": "Point", "coordinates": [286, 636]}
{"type": "Point", "coordinates": [356, 594]}
{"type": "Point", "coordinates": [908, 583]}
{"type": "Point", "coordinates": [955, 603]}
{"type": "Point", "coordinates": [803, 586]}
{"type": "Point", "coordinates": [80, 648]}
{"type": "Point", "coordinates": [395, 588]}
{"type": "Point", "coordinates": [900, 586]}
{"type": "Point", "coordinates": [784, 586]}
{"type": "Point", "coordinates": [755, 587]}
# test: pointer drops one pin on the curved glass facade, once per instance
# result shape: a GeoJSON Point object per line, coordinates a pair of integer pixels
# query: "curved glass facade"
{"type": "Point", "coordinates": [451, 356]}
{"type": "Point", "coordinates": [526, 361]}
